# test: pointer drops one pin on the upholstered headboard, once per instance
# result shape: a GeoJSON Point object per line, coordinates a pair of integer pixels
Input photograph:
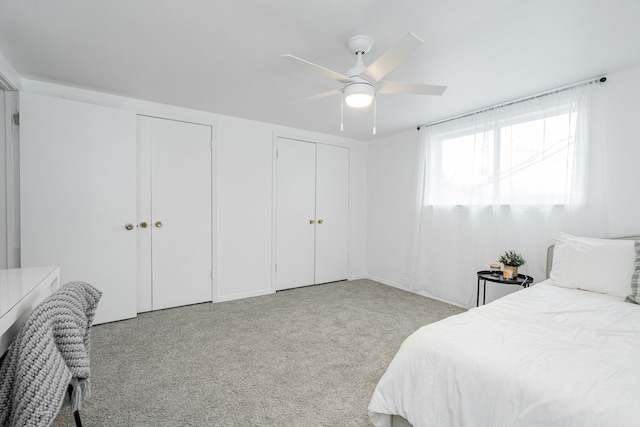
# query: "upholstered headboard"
{"type": "Point", "coordinates": [550, 252]}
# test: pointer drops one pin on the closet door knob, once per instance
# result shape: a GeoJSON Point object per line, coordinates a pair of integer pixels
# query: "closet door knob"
{"type": "Point", "coordinates": [320, 221]}
{"type": "Point", "coordinates": [143, 224]}
{"type": "Point", "coordinates": [129, 226]}
{"type": "Point", "coordinates": [158, 224]}
{"type": "Point", "coordinates": [311, 221]}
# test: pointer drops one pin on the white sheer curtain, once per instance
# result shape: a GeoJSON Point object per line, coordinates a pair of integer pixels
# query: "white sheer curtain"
{"type": "Point", "coordinates": [504, 179]}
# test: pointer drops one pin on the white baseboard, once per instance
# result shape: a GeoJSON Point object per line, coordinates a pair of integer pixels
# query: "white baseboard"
{"type": "Point", "coordinates": [364, 276]}
{"type": "Point", "coordinates": [413, 291]}
{"type": "Point", "coordinates": [245, 295]}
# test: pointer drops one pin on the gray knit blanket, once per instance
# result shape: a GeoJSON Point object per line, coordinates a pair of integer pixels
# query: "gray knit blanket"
{"type": "Point", "coordinates": [50, 352]}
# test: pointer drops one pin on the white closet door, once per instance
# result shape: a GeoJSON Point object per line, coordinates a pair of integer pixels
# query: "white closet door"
{"type": "Point", "coordinates": [295, 218]}
{"type": "Point", "coordinates": [78, 191]}
{"type": "Point", "coordinates": [180, 213]}
{"type": "Point", "coordinates": [332, 214]}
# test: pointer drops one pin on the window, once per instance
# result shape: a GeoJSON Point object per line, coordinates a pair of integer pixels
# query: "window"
{"type": "Point", "coordinates": [523, 154]}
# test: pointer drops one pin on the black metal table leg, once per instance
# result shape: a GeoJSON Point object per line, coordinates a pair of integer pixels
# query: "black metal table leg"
{"type": "Point", "coordinates": [76, 414]}
{"type": "Point", "coordinates": [484, 293]}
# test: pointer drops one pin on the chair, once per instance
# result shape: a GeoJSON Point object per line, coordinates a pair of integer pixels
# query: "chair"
{"type": "Point", "coordinates": [49, 358]}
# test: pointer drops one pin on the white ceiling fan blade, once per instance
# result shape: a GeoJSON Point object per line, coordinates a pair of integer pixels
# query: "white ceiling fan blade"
{"type": "Point", "coordinates": [410, 88]}
{"type": "Point", "coordinates": [392, 57]}
{"type": "Point", "coordinates": [318, 96]}
{"type": "Point", "coordinates": [325, 71]}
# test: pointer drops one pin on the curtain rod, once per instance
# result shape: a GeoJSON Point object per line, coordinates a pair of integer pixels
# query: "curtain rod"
{"type": "Point", "coordinates": [517, 101]}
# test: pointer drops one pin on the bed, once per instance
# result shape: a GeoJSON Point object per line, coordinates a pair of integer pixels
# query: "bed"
{"type": "Point", "coordinates": [564, 352]}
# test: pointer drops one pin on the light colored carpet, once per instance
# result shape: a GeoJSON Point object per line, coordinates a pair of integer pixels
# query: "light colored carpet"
{"type": "Point", "coordinates": [303, 357]}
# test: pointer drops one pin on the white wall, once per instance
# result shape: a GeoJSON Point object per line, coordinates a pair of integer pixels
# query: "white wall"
{"type": "Point", "coordinates": [620, 117]}
{"type": "Point", "coordinates": [392, 163]}
{"type": "Point", "coordinates": [243, 209]}
{"type": "Point", "coordinates": [243, 191]}
{"type": "Point", "coordinates": [391, 171]}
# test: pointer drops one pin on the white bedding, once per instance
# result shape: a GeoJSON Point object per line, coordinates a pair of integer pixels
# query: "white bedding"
{"type": "Point", "coordinates": [542, 356]}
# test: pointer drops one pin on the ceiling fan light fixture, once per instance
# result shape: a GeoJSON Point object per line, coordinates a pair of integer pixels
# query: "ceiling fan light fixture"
{"type": "Point", "coordinates": [358, 95]}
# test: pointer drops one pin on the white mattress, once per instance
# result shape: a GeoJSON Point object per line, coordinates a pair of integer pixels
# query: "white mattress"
{"type": "Point", "coordinates": [541, 356]}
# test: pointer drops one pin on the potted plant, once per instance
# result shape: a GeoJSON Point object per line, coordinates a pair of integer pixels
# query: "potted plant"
{"type": "Point", "coordinates": [511, 261]}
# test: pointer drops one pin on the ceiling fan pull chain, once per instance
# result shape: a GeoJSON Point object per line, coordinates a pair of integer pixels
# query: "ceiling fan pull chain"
{"type": "Point", "coordinates": [342, 112]}
{"type": "Point", "coordinates": [375, 115]}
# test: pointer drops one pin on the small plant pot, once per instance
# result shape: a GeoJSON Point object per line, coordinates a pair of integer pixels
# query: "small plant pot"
{"type": "Point", "coordinates": [510, 272]}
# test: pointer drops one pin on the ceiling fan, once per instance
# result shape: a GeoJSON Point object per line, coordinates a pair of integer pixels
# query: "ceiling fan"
{"type": "Point", "coordinates": [362, 83]}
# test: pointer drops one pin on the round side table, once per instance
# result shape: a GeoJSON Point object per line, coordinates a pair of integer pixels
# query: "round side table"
{"type": "Point", "coordinates": [485, 276]}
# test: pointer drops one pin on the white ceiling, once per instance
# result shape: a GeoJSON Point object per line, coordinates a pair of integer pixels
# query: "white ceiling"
{"type": "Point", "coordinates": [223, 56]}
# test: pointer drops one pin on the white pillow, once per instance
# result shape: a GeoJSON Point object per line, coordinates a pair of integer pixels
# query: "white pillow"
{"type": "Point", "coordinates": [598, 265]}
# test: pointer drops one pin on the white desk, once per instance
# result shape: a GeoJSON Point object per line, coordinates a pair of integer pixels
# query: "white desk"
{"type": "Point", "coordinates": [21, 290]}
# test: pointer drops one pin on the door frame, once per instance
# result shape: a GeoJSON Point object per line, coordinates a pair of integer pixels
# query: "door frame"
{"type": "Point", "coordinates": [214, 159]}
